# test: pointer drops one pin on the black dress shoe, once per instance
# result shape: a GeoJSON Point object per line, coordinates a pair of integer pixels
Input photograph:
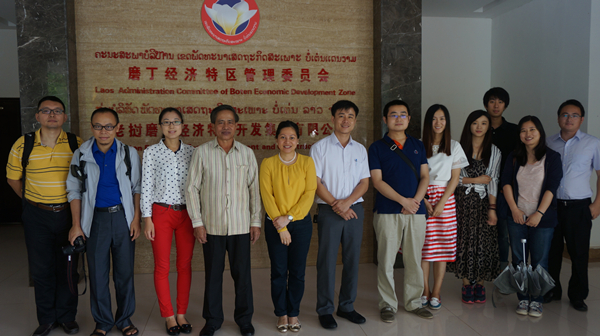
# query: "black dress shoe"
{"type": "Point", "coordinates": [247, 330]}
{"type": "Point", "coordinates": [208, 330]}
{"type": "Point", "coordinates": [579, 305]}
{"type": "Point", "coordinates": [70, 327]}
{"type": "Point", "coordinates": [44, 329]}
{"type": "Point", "coordinates": [352, 316]}
{"type": "Point", "coordinates": [173, 331]}
{"type": "Point", "coordinates": [185, 328]}
{"type": "Point", "coordinates": [327, 321]}
{"type": "Point", "coordinates": [551, 296]}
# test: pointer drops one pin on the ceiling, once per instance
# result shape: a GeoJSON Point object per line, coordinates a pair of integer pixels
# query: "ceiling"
{"type": "Point", "coordinates": [470, 8]}
{"type": "Point", "coordinates": [8, 16]}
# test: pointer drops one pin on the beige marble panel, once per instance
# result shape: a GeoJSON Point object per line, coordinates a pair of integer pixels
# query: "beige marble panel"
{"type": "Point", "coordinates": [304, 28]}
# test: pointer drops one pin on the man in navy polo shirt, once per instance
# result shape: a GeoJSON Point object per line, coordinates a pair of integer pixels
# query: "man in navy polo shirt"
{"type": "Point", "coordinates": [399, 210]}
{"type": "Point", "coordinates": [106, 211]}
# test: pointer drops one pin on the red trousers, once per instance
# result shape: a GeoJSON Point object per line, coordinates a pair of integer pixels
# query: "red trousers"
{"type": "Point", "coordinates": [166, 221]}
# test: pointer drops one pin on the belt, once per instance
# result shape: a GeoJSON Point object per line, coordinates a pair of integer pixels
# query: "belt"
{"type": "Point", "coordinates": [572, 202]}
{"type": "Point", "coordinates": [176, 207]}
{"type": "Point", "coordinates": [111, 209]}
{"type": "Point", "coordinates": [50, 207]}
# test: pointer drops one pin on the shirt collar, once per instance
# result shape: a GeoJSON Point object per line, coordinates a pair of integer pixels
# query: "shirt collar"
{"type": "Point", "coordinates": [577, 135]}
{"type": "Point", "coordinates": [38, 136]}
{"type": "Point", "coordinates": [334, 140]}
{"type": "Point", "coordinates": [164, 147]}
{"type": "Point", "coordinates": [112, 148]}
{"type": "Point", "coordinates": [216, 144]}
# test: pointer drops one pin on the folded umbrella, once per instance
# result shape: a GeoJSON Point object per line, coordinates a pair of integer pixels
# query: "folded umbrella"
{"type": "Point", "coordinates": [540, 282]}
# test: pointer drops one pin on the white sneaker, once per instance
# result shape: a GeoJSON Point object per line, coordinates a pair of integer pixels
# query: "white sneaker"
{"type": "Point", "coordinates": [523, 307]}
{"type": "Point", "coordinates": [535, 309]}
{"type": "Point", "coordinates": [435, 303]}
{"type": "Point", "coordinates": [424, 301]}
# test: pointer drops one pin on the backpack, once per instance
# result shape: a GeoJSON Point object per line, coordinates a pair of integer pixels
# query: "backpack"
{"type": "Point", "coordinates": [79, 171]}
{"type": "Point", "coordinates": [28, 147]}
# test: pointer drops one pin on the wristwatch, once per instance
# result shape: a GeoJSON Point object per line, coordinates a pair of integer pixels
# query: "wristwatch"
{"type": "Point", "coordinates": [290, 218]}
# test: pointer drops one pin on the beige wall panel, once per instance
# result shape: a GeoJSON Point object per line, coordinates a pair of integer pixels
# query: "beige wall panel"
{"type": "Point", "coordinates": [304, 28]}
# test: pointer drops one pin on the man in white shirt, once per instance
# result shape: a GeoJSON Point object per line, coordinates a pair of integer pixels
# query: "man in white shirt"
{"type": "Point", "coordinates": [342, 179]}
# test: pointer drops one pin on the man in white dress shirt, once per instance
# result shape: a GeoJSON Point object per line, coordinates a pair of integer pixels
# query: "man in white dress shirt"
{"type": "Point", "coordinates": [342, 179]}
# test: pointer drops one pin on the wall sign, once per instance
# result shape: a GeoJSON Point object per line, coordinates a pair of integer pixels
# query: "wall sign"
{"type": "Point", "coordinates": [230, 22]}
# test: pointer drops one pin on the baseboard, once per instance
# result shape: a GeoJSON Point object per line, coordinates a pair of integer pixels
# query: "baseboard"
{"type": "Point", "coordinates": [594, 254]}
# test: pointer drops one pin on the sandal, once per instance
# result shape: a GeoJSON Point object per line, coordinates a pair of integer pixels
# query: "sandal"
{"type": "Point", "coordinates": [125, 331]}
{"type": "Point", "coordinates": [296, 326]}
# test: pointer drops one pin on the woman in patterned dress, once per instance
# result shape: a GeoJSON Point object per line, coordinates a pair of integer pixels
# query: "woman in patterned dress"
{"type": "Point", "coordinates": [164, 174]}
{"type": "Point", "coordinates": [477, 258]}
{"type": "Point", "coordinates": [446, 158]}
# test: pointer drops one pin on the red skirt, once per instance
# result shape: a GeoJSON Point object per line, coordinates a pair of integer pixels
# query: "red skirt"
{"type": "Point", "coordinates": [440, 235]}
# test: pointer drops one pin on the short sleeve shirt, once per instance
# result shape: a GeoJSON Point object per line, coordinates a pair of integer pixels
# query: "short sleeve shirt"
{"type": "Point", "coordinates": [396, 173]}
{"type": "Point", "coordinates": [441, 165]}
{"type": "Point", "coordinates": [340, 168]}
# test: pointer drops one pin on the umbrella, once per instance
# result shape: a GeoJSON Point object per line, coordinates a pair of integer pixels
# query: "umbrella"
{"type": "Point", "coordinates": [524, 280]}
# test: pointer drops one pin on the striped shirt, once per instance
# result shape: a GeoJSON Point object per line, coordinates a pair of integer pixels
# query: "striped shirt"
{"type": "Point", "coordinates": [222, 189]}
{"type": "Point", "coordinates": [47, 170]}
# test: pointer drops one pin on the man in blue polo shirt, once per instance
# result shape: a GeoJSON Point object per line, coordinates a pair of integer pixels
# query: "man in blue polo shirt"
{"type": "Point", "coordinates": [400, 174]}
{"type": "Point", "coordinates": [106, 211]}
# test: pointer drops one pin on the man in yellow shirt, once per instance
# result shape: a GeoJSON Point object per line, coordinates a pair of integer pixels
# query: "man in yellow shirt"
{"type": "Point", "coordinates": [46, 216]}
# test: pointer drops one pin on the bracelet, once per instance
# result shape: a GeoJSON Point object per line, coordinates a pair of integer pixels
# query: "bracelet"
{"type": "Point", "coordinates": [540, 212]}
{"type": "Point", "coordinates": [492, 206]}
{"type": "Point", "coordinates": [282, 229]}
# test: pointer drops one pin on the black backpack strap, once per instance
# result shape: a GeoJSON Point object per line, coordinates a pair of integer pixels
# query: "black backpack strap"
{"type": "Point", "coordinates": [127, 161]}
{"type": "Point", "coordinates": [72, 141]}
{"type": "Point", "coordinates": [394, 148]}
{"type": "Point", "coordinates": [28, 143]}
{"type": "Point", "coordinates": [27, 148]}
{"type": "Point", "coordinates": [79, 172]}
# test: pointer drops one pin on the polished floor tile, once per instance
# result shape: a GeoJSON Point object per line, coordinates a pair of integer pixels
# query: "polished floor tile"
{"type": "Point", "coordinates": [18, 318]}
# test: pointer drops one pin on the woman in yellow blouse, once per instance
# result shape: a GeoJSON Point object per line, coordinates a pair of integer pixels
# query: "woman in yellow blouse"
{"type": "Point", "coordinates": [288, 182]}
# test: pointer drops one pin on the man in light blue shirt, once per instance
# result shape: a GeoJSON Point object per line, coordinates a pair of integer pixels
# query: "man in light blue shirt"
{"type": "Point", "coordinates": [580, 153]}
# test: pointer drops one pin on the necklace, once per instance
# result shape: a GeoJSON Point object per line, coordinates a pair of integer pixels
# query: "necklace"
{"type": "Point", "coordinates": [286, 162]}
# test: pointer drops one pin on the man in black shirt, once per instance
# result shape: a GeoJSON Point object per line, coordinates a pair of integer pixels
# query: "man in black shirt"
{"type": "Point", "coordinates": [505, 136]}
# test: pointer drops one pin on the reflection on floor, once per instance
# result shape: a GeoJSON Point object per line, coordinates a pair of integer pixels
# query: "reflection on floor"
{"type": "Point", "coordinates": [18, 317]}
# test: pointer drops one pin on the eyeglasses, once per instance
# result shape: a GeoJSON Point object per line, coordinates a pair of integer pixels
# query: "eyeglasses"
{"type": "Point", "coordinates": [169, 123]}
{"type": "Point", "coordinates": [403, 116]}
{"type": "Point", "coordinates": [48, 111]}
{"type": "Point", "coordinates": [572, 116]}
{"type": "Point", "coordinates": [99, 127]}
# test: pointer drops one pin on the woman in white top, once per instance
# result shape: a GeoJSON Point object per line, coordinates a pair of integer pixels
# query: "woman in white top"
{"type": "Point", "coordinates": [445, 158]}
{"type": "Point", "coordinates": [164, 173]}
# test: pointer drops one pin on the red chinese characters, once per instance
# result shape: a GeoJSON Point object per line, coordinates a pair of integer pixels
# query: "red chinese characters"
{"type": "Point", "coordinates": [286, 74]}
{"type": "Point", "coordinates": [255, 129]}
{"type": "Point", "coordinates": [211, 74]}
{"type": "Point", "coordinates": [134, 73]}
{"type": "Point", "coordinates": [230, 74]}
{"type": "Point", "coordinates": [323, 75]}
{"type": "Point", "coordinates": [151, 130]}
{"type": "Point", "coordinates": [190, 74]}
{"type": "Point", "coordinates": [171, 74]}
{"type": "Point", "coordinates": [269, 75]}
{"type": "Point", "coordinates": [135, 130]}
{"type": "Point", "coordinates": [198, 129]}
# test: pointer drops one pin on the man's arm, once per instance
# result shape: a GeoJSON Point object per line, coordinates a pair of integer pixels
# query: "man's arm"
{"type": "Point", "coordinates": [76, 215]}
{"type": "Point", "coordinates": [135, 226]}
{"type": "Point", "coordinates": [595, 206]}
{"type": "Point", "coordinates": [390, 193]}
{"type": "Point", "coordinates": [16, 185]}
{"type": "Point", "coordinates": [423, 183]}
{"type": "Point", "coordinates": [343, 205]}
{"type": "Point", "coordinates": [323, 193]}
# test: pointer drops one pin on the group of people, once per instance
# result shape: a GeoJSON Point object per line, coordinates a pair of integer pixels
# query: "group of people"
{"type": "Point", "coordinates": [443, 204]}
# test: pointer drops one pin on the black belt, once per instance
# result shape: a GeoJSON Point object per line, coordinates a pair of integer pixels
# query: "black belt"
{"type": "Point", "coordinates": [573, 202]}
{"type": "Point", "coordinates": [50, 207]}
{"type": "Point", "coordinates": [176, 207]}
{"type": "Point", "coordinates": [112, 209]}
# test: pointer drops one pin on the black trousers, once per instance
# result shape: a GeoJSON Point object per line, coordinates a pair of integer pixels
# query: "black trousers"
{"type": "Point", "coordinates": [46, 232]}
{"type": "Point", "coordinates": [238, 250]}
{"type": "Point", "coordinates": [110, 236]}
{"type": "Point", "coordinates": [574, 228]}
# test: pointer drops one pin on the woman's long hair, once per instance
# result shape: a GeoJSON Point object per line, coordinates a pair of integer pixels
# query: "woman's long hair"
{"type": "Point", "coordinates": [466, 138]}
{"type": "Point", "coordinates": [428, 133]}
{"type": "Point", "coordinates": [539, 150]}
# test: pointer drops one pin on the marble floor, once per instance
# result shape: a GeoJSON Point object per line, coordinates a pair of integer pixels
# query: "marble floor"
{"type": "Point", "coordinates": [18, 318]}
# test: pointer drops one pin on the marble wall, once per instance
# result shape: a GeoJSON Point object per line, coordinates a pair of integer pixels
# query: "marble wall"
{"type": "Point", "coordinates": [397, 44]}
{"type": "Point", "coordinates": [46, 57]}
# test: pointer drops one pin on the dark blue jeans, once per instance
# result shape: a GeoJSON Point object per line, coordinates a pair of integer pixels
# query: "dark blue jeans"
{"type": "Point", "coordinates": [288, 265]}
{"type": "Point", "coordinates": [537, 247]}
{"type": "Point", "coordinates": [503, 241]}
